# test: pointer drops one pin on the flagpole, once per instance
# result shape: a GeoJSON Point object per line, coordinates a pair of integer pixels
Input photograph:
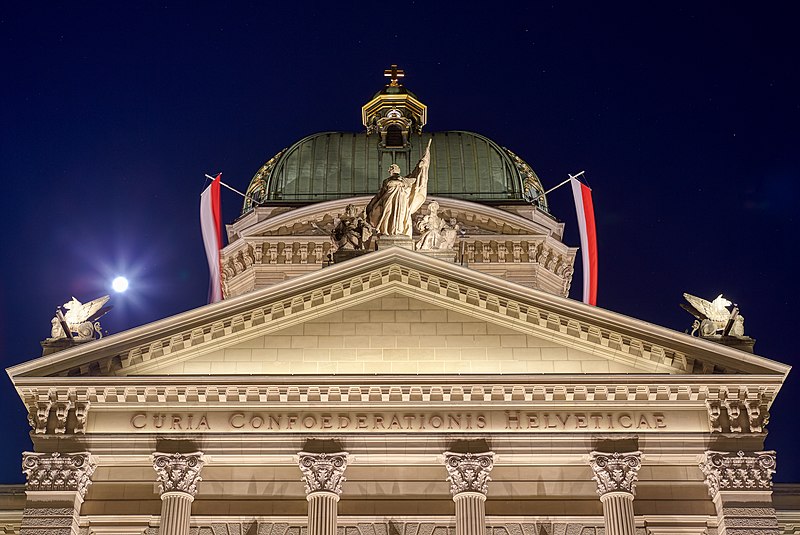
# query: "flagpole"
{"type": "Point", "coordinates": [554, 187]}
{"type": "Point", "coordinates": [232, 189]}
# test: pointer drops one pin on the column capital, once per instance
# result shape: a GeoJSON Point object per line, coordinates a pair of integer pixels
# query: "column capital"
{"type": "Point", "coordinates": [178, 472]}
{"type": "Point", "coordinates": [58, 471]}
{"type": "Point", "coordinates": [468, 472]}
{"type": "Point", "coordinates": [323, 472]}
{"type": "Point", "coordinates": [615, 472]}
{"type": "Point", "coordinates": [740, 471]}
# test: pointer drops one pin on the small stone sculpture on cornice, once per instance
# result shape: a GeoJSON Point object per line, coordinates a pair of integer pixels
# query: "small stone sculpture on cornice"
{"type": "Point", "coordinates": [615, 472]}
{"type": "Point", "coordinates": [469, 472]}
{"type": "Point", "coordinates": [178, 472]}
{"type": "Point", "coordinates": [58, 471]}
{"type": "Point", "coordinates": [738, 471]}
{"type": "Point", "coordinates": [323, 472]}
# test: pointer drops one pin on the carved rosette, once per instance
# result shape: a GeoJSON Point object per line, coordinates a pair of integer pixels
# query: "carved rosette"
{"type": "Point", "coordinates": [738, 471]}
{"type": "Point", "coordinates": [615, 472]}
{"type": "Point", "coordinates": [323, 472]}
{"type": "Point", "coordinates": [468, 472]}
{"type": "Point", "coordinates": [178, 472]}
{"type": "Point", "coordinates": [58, 471]}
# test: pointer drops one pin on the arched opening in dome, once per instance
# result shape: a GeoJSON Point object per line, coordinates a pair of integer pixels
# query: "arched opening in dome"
{"type": "Point", "coordinates": [394, 136]}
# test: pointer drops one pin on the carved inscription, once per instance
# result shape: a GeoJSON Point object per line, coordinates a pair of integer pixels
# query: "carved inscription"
{"type": "Point", "coordinates": [389, 421]}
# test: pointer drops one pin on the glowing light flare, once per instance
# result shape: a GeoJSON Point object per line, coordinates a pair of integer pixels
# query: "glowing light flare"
{"type": "Point", "coordinates": [119, 284]}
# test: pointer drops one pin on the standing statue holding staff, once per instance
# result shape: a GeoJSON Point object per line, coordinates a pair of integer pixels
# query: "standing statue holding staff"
{"type": "Point", "coordinates": [390, 210]}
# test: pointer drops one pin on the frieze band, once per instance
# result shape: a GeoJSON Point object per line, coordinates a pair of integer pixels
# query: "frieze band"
{"type": "Point", "coordinates": [467, 421]}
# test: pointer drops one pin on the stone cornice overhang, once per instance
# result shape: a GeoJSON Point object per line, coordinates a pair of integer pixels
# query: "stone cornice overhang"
{"type": "Point", "coordinates": [446, 284]}
{"type": "Point", "coordinates": [629, 391]}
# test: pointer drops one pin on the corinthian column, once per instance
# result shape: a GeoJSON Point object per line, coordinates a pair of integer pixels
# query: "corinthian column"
{"type": "Point", "coordinates": [741, 486]}
{"type": "Point", "coordinates": [615, 474]}
{"type": "Point", "coordinates": [468, 474]}
{"type": "Point", "coordinates": [56, 486]}
{"type": "Point", "coordinates": [323, 474]}
{"type": "Point", "coordinates": [178, 476]}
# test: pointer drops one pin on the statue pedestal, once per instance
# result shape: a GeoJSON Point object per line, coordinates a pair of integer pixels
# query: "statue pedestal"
{"type": "Point", "coordinates": [343, 255]}
{"type": "Point", "coordinates": [447, 255]}
{"type": "Point", "coordinates": [402, 241]}
{"type": "Point", "coordinates": [54, 345]}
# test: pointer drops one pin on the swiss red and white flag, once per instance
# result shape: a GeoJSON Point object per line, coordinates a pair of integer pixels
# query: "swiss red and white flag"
{"type": "Point", "coordinates": [585, 210]}
{"type": "Point", "coordinates": [211, 226]}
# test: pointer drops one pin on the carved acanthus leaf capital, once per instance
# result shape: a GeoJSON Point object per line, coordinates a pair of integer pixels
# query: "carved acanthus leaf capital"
{"type": "Point", "coordinates": [323, 471]}
{"type": "Point", "coordinates": [178, 472]}
{"type": "Point", "coordinates": [468, 472]}
{"type": "Point", "coordinates": [58, 471]}
{"type": "Point", "coordinates": [615, 472]}
{"type": "Point", "coordinates": [738, 471]}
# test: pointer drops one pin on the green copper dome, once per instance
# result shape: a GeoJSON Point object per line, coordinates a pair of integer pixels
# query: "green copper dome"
{"type": "Point", "coordinates": [335, 165]}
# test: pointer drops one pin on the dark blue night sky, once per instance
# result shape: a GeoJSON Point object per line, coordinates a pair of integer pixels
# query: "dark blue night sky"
{"type": "Point", "coordinates": [684, 115]}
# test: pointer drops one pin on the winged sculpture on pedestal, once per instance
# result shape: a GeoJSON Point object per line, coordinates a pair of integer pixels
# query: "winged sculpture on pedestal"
{"type": "Point", "coordinates": [80, 319]}
{"type": "Point", "coordinates": [713, 317]}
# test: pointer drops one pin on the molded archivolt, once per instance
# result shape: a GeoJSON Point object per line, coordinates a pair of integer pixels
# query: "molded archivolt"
{"type": "Point", "coordinates": [475, 219]}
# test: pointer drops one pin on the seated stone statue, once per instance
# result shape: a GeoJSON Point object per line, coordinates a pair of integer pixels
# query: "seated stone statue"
{"type": "Point", "coordinates": [435, 233]}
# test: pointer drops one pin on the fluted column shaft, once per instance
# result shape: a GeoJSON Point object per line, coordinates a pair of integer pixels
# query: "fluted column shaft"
{"type": "Point", "coordinates": [323, 474]}
{"type": "Point", "coordinates": [616, 475]}
{"type": "Point", "coordinates": [470, 513]}
{"type": "Point", "coordinates": [178, 475]}
{"type": "Point", "coordinates": [322, 513]}
{"type": "Point", "coordinates": [176, 511]}
{"type": "Point", "coordinates": [468, 474]}
{"type": "Point", "coordinates": [618, 513]}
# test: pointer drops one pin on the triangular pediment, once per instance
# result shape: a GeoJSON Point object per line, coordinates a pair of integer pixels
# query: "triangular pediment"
{"type": "Point", "coordinates": [475, 320]}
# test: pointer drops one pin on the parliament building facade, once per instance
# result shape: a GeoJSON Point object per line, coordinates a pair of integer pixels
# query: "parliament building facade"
{"type": "Point", "coordinates": [440, 384]}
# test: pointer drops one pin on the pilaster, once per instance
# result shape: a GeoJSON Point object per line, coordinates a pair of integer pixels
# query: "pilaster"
{"type": "Point", "coordinates": [323, 474]}
{"type": "Point", "coordinates": [741, 486]}
{"type": "Point", "coordinates": [178, 476]}
{"type": "Point", "coordinates": [56, 486]}
{"type": "Point", "coordinates": [468, 475]}
{"type": "Point", "coordinates": [616, 475]}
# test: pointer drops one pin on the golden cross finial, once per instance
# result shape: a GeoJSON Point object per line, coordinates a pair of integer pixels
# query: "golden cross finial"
{"type": "Point", "coordinates": [394, 74]}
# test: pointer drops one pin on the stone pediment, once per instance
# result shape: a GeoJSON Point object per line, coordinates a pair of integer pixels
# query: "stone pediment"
{"type": "Point", "coordinates": [335, 313]}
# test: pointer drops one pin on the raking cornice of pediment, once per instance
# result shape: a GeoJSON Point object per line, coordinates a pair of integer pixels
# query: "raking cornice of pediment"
{"type": "Point", "coordinates": [647, 347]}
